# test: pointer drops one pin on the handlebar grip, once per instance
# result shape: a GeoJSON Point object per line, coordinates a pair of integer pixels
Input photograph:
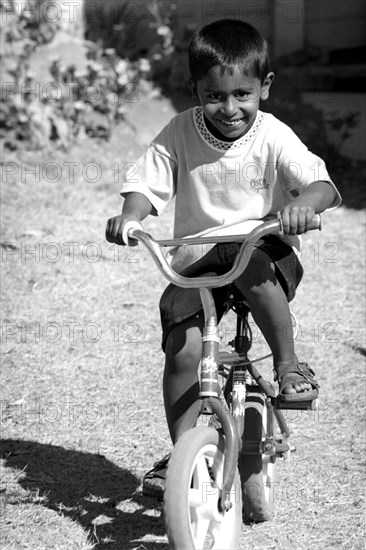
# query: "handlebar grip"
{"type": "Point", "coordinates": [316, 223]}
{"type": "Point", "coordinates": [129, 229]}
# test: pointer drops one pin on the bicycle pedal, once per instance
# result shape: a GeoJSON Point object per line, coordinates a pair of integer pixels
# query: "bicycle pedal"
{"type": "Point", "coordinates": [282, 448]}
{"type": "Point", "coordinates": [295, 405]}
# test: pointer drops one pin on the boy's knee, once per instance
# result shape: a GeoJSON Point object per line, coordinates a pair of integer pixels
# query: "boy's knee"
{"type": "Point", "coordinates": [260, 270]}
{"type": "Point", "coordinates": [184, 343]}
{"type": "Point", "coordinates": [260, 258]}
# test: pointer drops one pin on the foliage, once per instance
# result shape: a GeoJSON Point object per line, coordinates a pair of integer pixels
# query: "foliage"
{"type": "Point", "coordinates": [25, 21]}
{"type": "Point", "coordinates": [343, 122]}
{"type": "Point", "coordinates": [151, 30]}
{"type": "Point", "coordinates": [90, 101]}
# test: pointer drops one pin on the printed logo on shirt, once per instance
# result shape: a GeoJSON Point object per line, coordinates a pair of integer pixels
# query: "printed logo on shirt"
{"type": "Point", "coordinates": [258, 184]}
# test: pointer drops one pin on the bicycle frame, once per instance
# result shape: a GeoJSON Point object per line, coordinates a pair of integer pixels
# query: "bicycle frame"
{"type": "Point", "coordinates": [210, 395]}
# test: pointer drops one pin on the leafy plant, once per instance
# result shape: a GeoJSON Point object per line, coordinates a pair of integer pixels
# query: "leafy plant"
{"type": "Point", "coordinates": [343, 122]}
{"type": "Point", "coordinates": [90, 101]}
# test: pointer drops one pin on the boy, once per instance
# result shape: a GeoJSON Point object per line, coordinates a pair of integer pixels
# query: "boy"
{"type": "Point", "coordinates": [230, 167]}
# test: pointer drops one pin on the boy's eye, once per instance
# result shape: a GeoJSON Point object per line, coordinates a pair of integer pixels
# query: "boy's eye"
{"type": "Point", "coordinates": [215, 96]}
{"type": "Point", "coordinates": [242, 95]}
{"type": "Point", "coordinates": [218, 96]}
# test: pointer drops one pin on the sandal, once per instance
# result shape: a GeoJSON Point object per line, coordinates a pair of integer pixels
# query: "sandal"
{"type": "Point", "coordinates": [153, 482]}
{"type": "Point", "coordinates": [290, 375]}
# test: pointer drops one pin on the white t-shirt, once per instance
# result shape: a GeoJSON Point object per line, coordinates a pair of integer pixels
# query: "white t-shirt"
{"type": "Point", "coordinates": [220, 187]}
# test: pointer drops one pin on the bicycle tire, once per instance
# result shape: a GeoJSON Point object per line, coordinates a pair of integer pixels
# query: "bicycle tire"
{"type": "Point", "coordinates": [191, 497]}
{"type": "Point", "coordinates": [258, 472]}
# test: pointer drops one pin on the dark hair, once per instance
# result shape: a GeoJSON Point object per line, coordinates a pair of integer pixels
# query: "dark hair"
{"type": "Point", "coordinates": [229, 43]}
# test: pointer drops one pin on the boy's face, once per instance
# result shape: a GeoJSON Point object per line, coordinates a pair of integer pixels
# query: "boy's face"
{"type": "Point", "coordinates": [230, 101]}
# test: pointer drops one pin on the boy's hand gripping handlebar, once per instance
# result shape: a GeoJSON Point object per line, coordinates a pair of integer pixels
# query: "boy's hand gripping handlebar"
{"type": "Point", "coordinates": [273, 227]}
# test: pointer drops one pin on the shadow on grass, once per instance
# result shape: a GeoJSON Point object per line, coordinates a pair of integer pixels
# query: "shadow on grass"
{"type": "Point", "coordinates": [87, 488]}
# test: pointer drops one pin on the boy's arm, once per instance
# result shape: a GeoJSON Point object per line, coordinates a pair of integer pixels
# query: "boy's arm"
{"type": "Point", "coordinates": [297, 215]}
{"type": "Point", "coordinates": [135, 208]}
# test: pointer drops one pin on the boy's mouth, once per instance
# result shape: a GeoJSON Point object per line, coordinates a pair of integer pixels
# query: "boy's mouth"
{"type": "Point", "coordinates": [231, 123]}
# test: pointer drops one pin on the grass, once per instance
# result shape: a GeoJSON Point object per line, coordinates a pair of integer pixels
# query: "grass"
{"type": "Point", "coordinates": [82, 413]}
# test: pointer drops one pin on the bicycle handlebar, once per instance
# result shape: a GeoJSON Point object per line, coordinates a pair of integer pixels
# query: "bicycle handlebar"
{"type": "Point", "coordinates": [241, 261]}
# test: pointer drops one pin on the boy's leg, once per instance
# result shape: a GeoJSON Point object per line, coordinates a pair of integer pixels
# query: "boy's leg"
{"type": "Point", "coordinates": [270, 310]}
{"type": "Point", "coordinates": [180, 383]}
{"type": "Point", "coordinates": [180, 387]}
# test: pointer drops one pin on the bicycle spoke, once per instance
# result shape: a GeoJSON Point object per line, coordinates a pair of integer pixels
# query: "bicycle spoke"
{"type": "Point", "coordinates": [217, 534]}
{"type": "Point", "coordinates": [195, 498]}
{"type": "Point", "coordinates": [201, 474]}
{"type": "Point", "coordinates": [201, 504]}
{"type": "Point", "coordinates": [202, 501]}
{"type": "Point", "coordinates": [200, 495]}
{"type": "Point", "coordinates": [199, 531]}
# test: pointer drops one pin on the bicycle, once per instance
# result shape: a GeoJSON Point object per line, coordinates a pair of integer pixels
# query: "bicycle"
{"type": "Point", "coordinates": [227, 466]}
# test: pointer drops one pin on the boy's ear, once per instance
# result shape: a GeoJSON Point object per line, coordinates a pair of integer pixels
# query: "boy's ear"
{"type": "Point", "coordinates": [193, 88]}
{"type": "Point", "coordinates": [266, 85]}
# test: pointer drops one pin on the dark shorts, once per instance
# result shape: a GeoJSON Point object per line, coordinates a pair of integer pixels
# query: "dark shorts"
{"type": "Point", "coordinates": [180, 304]}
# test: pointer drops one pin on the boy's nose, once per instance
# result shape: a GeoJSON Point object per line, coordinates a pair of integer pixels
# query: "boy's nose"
{"type": "Point", "coordinates": [229, 106]}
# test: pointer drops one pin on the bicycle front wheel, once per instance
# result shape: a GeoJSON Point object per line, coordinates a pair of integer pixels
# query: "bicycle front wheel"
{"type": "Point", "coordinates": [192, 492]}
{"type": "Point", "coordinates": [258, 471]}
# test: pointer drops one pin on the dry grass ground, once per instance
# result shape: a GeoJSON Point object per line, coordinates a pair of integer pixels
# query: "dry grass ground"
{"type": "Point", "coordinates": [82, 413]}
